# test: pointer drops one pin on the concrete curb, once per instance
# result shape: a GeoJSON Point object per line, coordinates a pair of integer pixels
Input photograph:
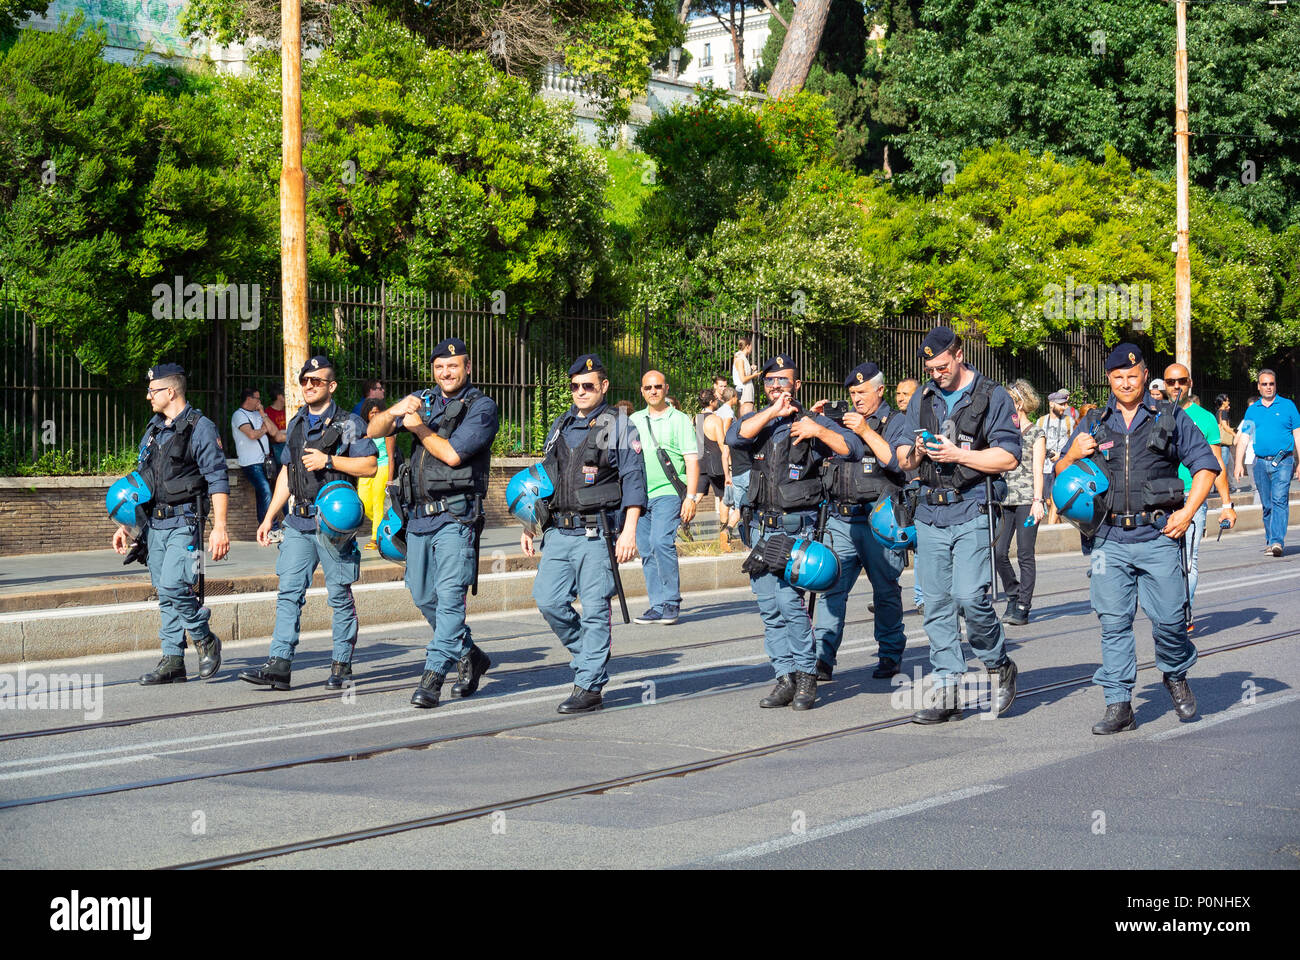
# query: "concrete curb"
{"type": "Point", "coordinates": [117, 627]}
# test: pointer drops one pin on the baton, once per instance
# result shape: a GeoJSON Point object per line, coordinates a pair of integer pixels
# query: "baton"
{"type": "Point", "coordinates": [608, 531]}
{"type": "Point", "coordinates": [480, 521]}
{"type": "Point", "coordinates": [201, 503]}
{"type": "Point", "coordinates": [818, 532]}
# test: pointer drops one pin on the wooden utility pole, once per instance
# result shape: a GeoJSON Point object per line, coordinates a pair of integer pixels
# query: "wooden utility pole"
{"type": "Point", "coordinates": [293, 207]}
{"type": "Point", "coordinates": [1183, 264]}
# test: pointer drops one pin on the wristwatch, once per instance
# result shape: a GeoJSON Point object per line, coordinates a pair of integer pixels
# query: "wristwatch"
{"type": "Point", "coordinates": [329, 461]}
{"type": "Point", "coordinates": [697, 498]}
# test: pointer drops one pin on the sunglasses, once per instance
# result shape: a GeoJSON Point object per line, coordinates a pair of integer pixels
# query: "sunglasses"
{"type": "Point", "coordinates": [584, 388]}
{"type": "Point", "coordinates": [653, 386]}
{"type": "Point", "coordinates": [1169, 380]}
{"type": "Point", "coordinates": [312, 382]}
{"type": "Point", "coordinates": [150, 391]}
{"type": "Point", "coordinates": [777, 381]}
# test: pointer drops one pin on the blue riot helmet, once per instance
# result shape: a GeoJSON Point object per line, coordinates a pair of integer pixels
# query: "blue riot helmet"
{"type": "Point", "coordinates": [392, 538]}
{"type": "Point", "coordinates": [886, 528]}
{"type": "Point", "coordinates": [812, 566]}
{"type": "Point", "coordinates": [125, 496]}
{"type": "Point", "coordinates": [1079, 493]}
{"type": "Point", "coordinates": [339, 510]}
{"type": "Point", "coordinates": [526, 494]}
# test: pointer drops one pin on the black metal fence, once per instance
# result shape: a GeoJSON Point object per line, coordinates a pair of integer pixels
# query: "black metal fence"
{"type": "Point", "coordinates": [53, 407]}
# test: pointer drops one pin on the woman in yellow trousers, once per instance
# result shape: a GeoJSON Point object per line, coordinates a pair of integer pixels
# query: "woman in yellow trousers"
{"type": "Point", "coordinates": [371, 489]}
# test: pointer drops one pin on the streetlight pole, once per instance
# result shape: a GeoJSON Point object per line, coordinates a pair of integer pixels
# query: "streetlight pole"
{"type": "Point", "coordinates": [1183, 264]}
{"type": "Point", "coordinates": [293, 206]}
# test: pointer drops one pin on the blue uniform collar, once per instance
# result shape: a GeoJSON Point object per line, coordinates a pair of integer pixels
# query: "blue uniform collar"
{"type": "Point", "coordinates": [331, 413]}
{"type": "Point", "coordinates": [159, 420]}
{"type": "Point", "coordinates": [458, 395]}
{"type": "Point", "coordinates": [1146, 406]}
{"type": "Point", "coordinates": [573, 416]}
{"type": "Point", "coordinates": [932, 390]}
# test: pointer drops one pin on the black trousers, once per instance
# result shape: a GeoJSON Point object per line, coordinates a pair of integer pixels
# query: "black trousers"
{"type": "Point", "coordinates": [1013, 522]}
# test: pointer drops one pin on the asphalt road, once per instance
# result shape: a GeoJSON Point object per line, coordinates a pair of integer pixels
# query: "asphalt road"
{"type": "Point", "coordinates": [500, 780]}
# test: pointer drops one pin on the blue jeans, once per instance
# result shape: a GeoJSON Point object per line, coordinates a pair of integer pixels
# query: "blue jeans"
{"type": "Point", "coordinates": [174, 569]}
{"type": "Point", "coordinates": [1192, 547]}
{"type": "Point", "coordinates": [1122, 575]}
{"type": "Point", "coordinates": [656, 541]}
{"type": "Point", "coordinates": [787, 630]}
{"type": "Point", "coordinates": [858, 550]}
{"type": "Point", "coordinates": [1273, 482]}
{"type": "Point", "coordinates": [740, 484]}
{"type": "Point", "coordinates": [300, 554]}
{"type": "Point", "coordinates": [575, 565]}
{"type": "Point", "coordinates": [952, 566]}
{"type": "Point", "coordinates": [439, 569]}
{"type": "Point", "coordinates": [256, 477]}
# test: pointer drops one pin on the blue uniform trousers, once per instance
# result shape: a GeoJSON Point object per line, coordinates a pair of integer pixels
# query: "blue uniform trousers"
{"type": "Point", "coordinates": [1122, 575]}
{"type": "Point", "coordinates": [787, 630]}
{"type": "Point", "coordinates": [439, 570]}
{"type": "Point", "coordinates": [952, 566]}
{"type": "Point", "coordinates": [575, 565]}
{"type": "Point", "coordinates": [1273, 481]}
{"type": "Point", "coordinates": [300, 553]}
{"type": "Point", "coordinates": [1192, 547]}
{"type": "Point", "coordinates": [174, 569]}
{"type": "Point", "coordinates": [858, 550]}
{"type": "Point", "coordinates": [656, 541]}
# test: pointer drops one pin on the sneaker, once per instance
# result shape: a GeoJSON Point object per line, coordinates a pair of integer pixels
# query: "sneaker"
{"type": "Point", "coordinates": [372, 545]}
{"type": "Point", "coordinates": [669, 614]}
{"type": "Point", "coordinates": [650, 616]}
{"type": "Point", "coordinates": [1275, 549]}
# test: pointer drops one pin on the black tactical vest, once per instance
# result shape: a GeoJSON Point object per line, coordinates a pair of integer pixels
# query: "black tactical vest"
{"type": "Point", "coordinates": [172, 473]}
{"type": "Point", "coordinates": [787, 477]}
{"type": "Point", "coordinates": [304, 484]}
{"type": "Point", "coordinates": [585, 479]}
{"type": "Point", "coordinates": [1142, 466]}
{"type": "Point", "coordinates": [431, 478]}
{"type": "Point", "coordinates": [970, 427]}
{"type": "Point", "coordinates": [862, 481]}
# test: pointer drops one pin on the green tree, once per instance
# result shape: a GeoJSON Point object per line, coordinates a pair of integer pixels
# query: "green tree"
{"type": "Point", "coordinates": [114, 179]}
{"type": "Point", "coordinates": [14, 12]}
{"type": "Point", "coordinates": [431, 168]}
{"type": "Point", "coordinates": [1076, 77]}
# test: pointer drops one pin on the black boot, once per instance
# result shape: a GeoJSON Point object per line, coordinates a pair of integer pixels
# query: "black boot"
{"type": "Point", "coordinates": [1006, 686]}
{"type": "Point", "coordinates": [1010, 611]}
{"type": "Point", "coordinates": [169, 670]}
{"type": "Point", "coordinates": [886, 668]}
{"type": "Point", "coordinates": [1184, 699]}
{"type": "Point", "coordinates": [1017, 614]}
{"type": "Point", "coordinates": [781, 694]}
{"type": "Point", "coordinates": [581, 700]}
{"type": "Point", "coordinates": [469, 670]}
{"type": "Point", "coordinates": [209, 651]}
{"type": "Point", "coordinates": [1119, 717]}
{"type": "Point", "coordinates": [340, 675]}
{"type": "Point", "coordinates": [429, 691]}
{"type": "Point", "coordinates": [274, 674]}
{"type": "Point", "coordinates": [805, 691]}
{"type": "Point", "coordinates": [824, 671]}
{"type": "Point", "coordinates": [948, 708]}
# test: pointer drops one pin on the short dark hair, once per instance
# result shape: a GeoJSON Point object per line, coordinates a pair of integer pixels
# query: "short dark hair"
{"type": "Point", "coordinates": [370, 385]}
{"type": "Point", "coordinates": [1221, 399]}
{"type": "Point", "coordinates": [275, 391]}
{"type": "Point", "coordinates": [706, 397]}
{"type": "Point", "coordinates": [248, 392]}
{"type": "Point", "coordinates": [370, 403]}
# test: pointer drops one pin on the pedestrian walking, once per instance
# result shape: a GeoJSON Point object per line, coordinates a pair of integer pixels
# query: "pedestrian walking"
{"type": "Point", "coordinates": [1275, 433]}
{"type": "Point", "coordinates": [1022, 508]}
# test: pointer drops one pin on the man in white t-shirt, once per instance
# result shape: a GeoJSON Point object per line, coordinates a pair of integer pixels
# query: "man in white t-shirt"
{"type": "Point", "coordinates": [254, 434]}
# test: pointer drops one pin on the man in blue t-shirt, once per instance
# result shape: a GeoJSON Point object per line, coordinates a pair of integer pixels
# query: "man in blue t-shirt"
{"type": "Point", "coordinates": [1275, 425]}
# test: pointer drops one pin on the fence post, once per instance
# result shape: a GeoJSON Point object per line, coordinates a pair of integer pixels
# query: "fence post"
{"type": "Point", "coordinates": [383, 330]}
{"type": "Point", "coordinates": [645, 339]}
{"type": "Point", "coordinates": [36, 387]}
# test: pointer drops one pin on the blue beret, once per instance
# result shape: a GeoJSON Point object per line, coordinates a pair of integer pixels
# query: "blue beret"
{"type": "Point", "coordinates": [164, 370]}
{"type": "Point", "coordinates": [587, 363]}
{"type": "Point", "coordinates": [451, 347]}
{"type": "Point", "coordinates": [315, 363]}
{"type": "Point", "coordinates": [782, 361]}
{"type": "Point", "coordinates": [936, 342]}
{"type": "Point", "coordinates": [1124, 356]}
{"type": "Point", "coordinates": [861, 374]}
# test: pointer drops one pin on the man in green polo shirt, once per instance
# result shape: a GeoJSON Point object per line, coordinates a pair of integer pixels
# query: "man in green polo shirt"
{"type": "Point", "coordinates": [667, 434]}
{"type": "Point", "coordinates": [1178, 388]}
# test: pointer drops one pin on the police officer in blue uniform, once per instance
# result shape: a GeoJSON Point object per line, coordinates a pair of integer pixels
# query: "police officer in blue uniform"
{"type": "Point", "coordinates": [441, 489]}
{"type": "Point", "coordinates": [970, 434]}
{"type": "Point", "coordinates": [789, 448]}
{"type": "Point", "coordinates": [853, 488]}
{"type": "Point", "coordinates": [324, 444]}
{"type": "Point", "coordinates": [1139, 523]}
{"type": "Point", "coordinates": [593, 458]}
{"type": "Point", "coordinates": [182, 463]}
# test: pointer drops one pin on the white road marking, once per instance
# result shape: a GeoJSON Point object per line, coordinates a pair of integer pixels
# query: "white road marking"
{"type": "Point", "coordinates": [853, 823]}
{"type": "Point", "coordinates": [1234, 713]}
